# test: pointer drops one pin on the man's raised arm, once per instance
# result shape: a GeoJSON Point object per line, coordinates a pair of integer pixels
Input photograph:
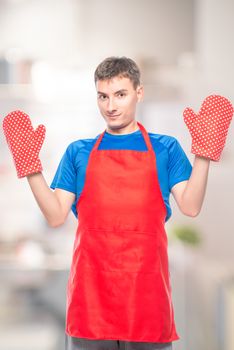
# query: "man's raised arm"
{"type": "Point", "coordinates": [25, 144]}
{"type": "Point", "coordinates": [208, 130]}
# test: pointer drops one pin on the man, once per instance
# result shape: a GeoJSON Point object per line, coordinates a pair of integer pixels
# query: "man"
{"type": "Point", "coordinates": [118, 185]}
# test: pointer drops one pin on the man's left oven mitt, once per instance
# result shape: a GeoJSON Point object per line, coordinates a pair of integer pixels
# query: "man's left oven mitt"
{"type": "Point", "coordinates": [209, 127]}
{"type": "Point", "coordinates": [24, 142]}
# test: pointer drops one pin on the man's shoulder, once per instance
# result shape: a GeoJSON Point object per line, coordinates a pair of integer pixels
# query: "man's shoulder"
{"type": "Point", "coordinates": [164, 140]}
{"type": "Point", "coordinates": [86, 144]}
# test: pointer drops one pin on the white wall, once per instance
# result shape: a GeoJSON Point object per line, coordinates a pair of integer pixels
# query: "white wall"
{"type": "Point", "coordinates": [151, 28]}
{"type": "Point", "coordinates": [93, 29]}
{"type": "Point", "coordinates": [46, 29]}
{"type": "Point", "coordinates": [214, 43]}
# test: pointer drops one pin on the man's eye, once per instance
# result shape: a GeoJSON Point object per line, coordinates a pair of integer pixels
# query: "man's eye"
{"type": "Point", "coordinates": [102, 97]}
{"type": "Point", "coordinates": [121, 94]}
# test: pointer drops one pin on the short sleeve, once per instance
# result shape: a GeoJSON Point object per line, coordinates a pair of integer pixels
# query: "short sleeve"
{"type": "Point", "coordinates": [65, 176]}
{"type": "Point", "coordinates": [179, 166]}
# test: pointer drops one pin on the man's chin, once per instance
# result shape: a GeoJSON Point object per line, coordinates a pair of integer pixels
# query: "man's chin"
{"type": "Point", "coordinates": [114, 124]}
{"type": "Point", "coordinates": [117, 125]}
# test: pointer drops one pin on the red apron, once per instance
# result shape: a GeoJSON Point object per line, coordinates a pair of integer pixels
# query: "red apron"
{"type": "Point", "coordinates": [119, 285]}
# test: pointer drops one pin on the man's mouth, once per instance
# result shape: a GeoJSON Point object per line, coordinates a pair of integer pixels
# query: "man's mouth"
{"type": "Point", "coordinates": [113, 115]}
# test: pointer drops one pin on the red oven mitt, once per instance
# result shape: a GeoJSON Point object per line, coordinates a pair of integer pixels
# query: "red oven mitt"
{"type": "Point", "coordinates": [209, 127]}
{"type": "Point", "coordinates": [24, 142]}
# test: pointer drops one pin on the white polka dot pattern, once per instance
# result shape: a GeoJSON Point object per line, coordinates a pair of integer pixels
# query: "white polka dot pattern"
{"type": "Point", "coordinates": [209, 127]}
{"type": "Point", "coordinates": [24, 142]}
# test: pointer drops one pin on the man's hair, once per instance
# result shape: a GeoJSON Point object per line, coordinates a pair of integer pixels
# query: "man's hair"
{"type": "Point", "coordinates": [118, 66]}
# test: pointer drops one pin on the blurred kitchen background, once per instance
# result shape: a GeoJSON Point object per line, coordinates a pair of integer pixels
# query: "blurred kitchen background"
{"type": "Point", "coordinates": [49, 50]}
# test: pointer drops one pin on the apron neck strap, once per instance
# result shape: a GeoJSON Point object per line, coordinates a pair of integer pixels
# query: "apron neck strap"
{"type": "Point", "coordinates": [146, 137]}
{"type": "Point", "coordinates": [144, 134]}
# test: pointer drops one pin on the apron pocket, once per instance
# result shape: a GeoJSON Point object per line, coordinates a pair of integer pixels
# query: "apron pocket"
{"type": "Point", "coordinates": [131, 251]}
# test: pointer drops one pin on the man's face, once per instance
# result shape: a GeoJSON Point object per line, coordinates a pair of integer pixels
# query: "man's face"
{"type": "Point", "coordinates": [117, 99]}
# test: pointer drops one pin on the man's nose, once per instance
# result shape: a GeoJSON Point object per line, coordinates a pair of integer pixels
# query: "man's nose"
{"type": "Point", "coordinates": [111, 105]}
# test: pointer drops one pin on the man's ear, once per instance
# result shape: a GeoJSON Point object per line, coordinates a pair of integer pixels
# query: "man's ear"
{"type": "Point", "coordinates": [140, 93]}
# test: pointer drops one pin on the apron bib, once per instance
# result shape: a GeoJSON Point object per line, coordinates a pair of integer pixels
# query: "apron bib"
{"type": "Point", "coordinates": [119, 286]}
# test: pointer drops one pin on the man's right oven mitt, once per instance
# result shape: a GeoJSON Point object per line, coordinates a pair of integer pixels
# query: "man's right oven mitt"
{"type": "Point", "coordinates": [209, 127]}
{"type": "Point", "coordinates": [24, 142]}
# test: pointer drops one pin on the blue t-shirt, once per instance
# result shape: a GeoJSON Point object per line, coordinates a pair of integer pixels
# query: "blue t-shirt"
{"type": "Point", "coordinates": [173, 166]}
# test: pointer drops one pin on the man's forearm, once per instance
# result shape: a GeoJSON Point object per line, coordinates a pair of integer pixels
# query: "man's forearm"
{"type": "Point", "coordinates": [194, 192]}
{"type": "Point", "coordinates": [46, 199]}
